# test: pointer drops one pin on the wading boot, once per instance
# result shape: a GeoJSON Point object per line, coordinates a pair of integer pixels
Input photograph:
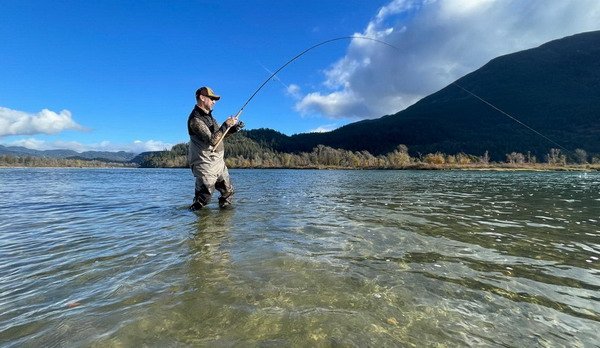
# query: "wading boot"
{"type": "Point", "coordinates": [197, 204]}
{"type": "Point", "coordinates": [225, 202]}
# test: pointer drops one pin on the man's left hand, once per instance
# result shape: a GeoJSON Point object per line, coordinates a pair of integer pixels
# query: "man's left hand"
{"type": "Point", "coordinates": [230, 121]}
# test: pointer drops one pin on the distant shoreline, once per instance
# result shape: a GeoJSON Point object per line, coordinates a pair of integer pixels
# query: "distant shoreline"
{"type": "Point", "coordinates": [500, 167]}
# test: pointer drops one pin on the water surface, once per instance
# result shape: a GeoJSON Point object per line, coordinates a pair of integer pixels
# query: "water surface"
{"type": "Point", "coordinates": [111, 257]}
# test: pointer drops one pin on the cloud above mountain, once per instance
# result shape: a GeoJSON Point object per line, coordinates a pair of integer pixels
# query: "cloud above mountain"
{"type": "Point", "coordinates": [14, 122]}
{"type": "Point", "coordinates": [437, 42]}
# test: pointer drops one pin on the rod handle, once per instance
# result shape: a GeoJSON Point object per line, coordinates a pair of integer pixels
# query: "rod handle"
{"type": "Point", "coordinates": [226, 131]}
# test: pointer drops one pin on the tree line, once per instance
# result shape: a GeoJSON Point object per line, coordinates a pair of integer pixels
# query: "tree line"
{"type": "Point", "coordinates": [241, 152]}
{"type": "Point", "coordinates": [34, 161]}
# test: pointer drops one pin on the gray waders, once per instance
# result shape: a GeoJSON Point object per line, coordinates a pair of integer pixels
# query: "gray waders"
{"type": "Point", "coordinates": [209, 178]}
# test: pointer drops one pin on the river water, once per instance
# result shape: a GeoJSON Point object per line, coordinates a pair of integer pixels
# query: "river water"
{"type": "Point", "coordinates": [111, 257]}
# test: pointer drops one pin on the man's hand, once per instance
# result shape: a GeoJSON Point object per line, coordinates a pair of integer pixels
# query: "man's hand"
{"type": "Point", "coordinates": [240, 125]}
{"type": "Point", "coordinates": [231, 121]}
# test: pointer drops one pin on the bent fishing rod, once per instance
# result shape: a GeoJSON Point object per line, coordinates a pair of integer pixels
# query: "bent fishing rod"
{"type": "Point", "coordinates": [288, 63]}
{"type": "Point", "coordinates": [236, 117]}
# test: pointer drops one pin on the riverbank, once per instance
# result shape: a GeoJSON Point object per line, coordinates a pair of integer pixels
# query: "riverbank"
{"type": "Point", "coordinates": [426, 166]}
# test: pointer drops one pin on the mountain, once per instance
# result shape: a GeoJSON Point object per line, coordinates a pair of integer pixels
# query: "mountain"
{"type": "Point", "coordinates": [554, 89]}
{"type": "Point", "coordinates": [120, 156]}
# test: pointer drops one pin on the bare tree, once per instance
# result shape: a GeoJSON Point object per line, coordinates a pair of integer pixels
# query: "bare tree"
{"type": "Point", "coordinates": [581, 156]}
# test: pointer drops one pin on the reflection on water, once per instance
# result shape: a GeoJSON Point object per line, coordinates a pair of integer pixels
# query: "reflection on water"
{"type": "Point", "coordinates": [353, 258]}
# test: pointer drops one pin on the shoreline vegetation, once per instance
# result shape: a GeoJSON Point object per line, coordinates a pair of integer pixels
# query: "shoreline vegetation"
{"type": "Point", "coordinates": [9, 161]}
{"type": "Point", "coordinates": [323, 157]}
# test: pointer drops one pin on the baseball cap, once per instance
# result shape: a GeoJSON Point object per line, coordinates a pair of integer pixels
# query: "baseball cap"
{"type": "Point", "coordinates": [207, 92]}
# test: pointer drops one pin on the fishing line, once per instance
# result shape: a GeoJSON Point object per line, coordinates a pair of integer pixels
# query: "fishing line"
{"type": "Point", "coordinates": [511, 117]}
{"type": "Point", "coordinates": [275, 77]}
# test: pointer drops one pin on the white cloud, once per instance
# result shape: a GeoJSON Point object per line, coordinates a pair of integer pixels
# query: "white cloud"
{"type": "Point", "coordinates": [324, 128]}
{"type": "Point", "coordinates": [29, 143]}
{"type": "Point", "coordinates": [149, 145]}
{"type": "Point", "coordinates": [136, 146]}
{"type": "Point", "coordinates": [336, 103]}
{"type": "Point", "coordinates": [437, 41]}
{"type": "Point", "coordinates": [294, 91]}
{"type": "Point", "coordinates": [14, 122]}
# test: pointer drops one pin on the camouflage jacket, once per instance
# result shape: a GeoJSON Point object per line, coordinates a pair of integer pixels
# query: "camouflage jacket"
{"type": "Point", "coordinates": [204, 132]}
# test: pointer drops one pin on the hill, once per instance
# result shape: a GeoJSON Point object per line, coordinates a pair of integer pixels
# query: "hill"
{"type": "Point", "coordinates": [120, 156]}
{"type": "Point", "coordinates": [553, 89]}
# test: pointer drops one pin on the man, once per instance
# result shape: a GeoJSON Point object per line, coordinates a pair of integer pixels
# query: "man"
{"type": "Point", "coordinates": [206, 158]}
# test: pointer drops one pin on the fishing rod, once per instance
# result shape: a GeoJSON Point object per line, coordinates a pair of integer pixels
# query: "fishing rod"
{"type": "Point", "coordinates": [288, 63]}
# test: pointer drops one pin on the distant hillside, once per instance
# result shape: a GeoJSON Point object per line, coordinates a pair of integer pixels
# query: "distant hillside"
{"type": "Point", "coordinates": [120, 156]}
{"type": "Point", "coordinates": [554, 88]}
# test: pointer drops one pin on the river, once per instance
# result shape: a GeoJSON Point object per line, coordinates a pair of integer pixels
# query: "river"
{"type": "Point", "coordinates": [112, 257]}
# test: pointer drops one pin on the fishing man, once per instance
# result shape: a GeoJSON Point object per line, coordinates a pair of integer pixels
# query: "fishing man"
{"type": "Point", "coordinates": [206, 151]}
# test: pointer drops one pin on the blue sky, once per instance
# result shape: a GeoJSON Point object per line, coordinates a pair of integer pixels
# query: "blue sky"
{"type": "Point", "coordinates": [121, 75]}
